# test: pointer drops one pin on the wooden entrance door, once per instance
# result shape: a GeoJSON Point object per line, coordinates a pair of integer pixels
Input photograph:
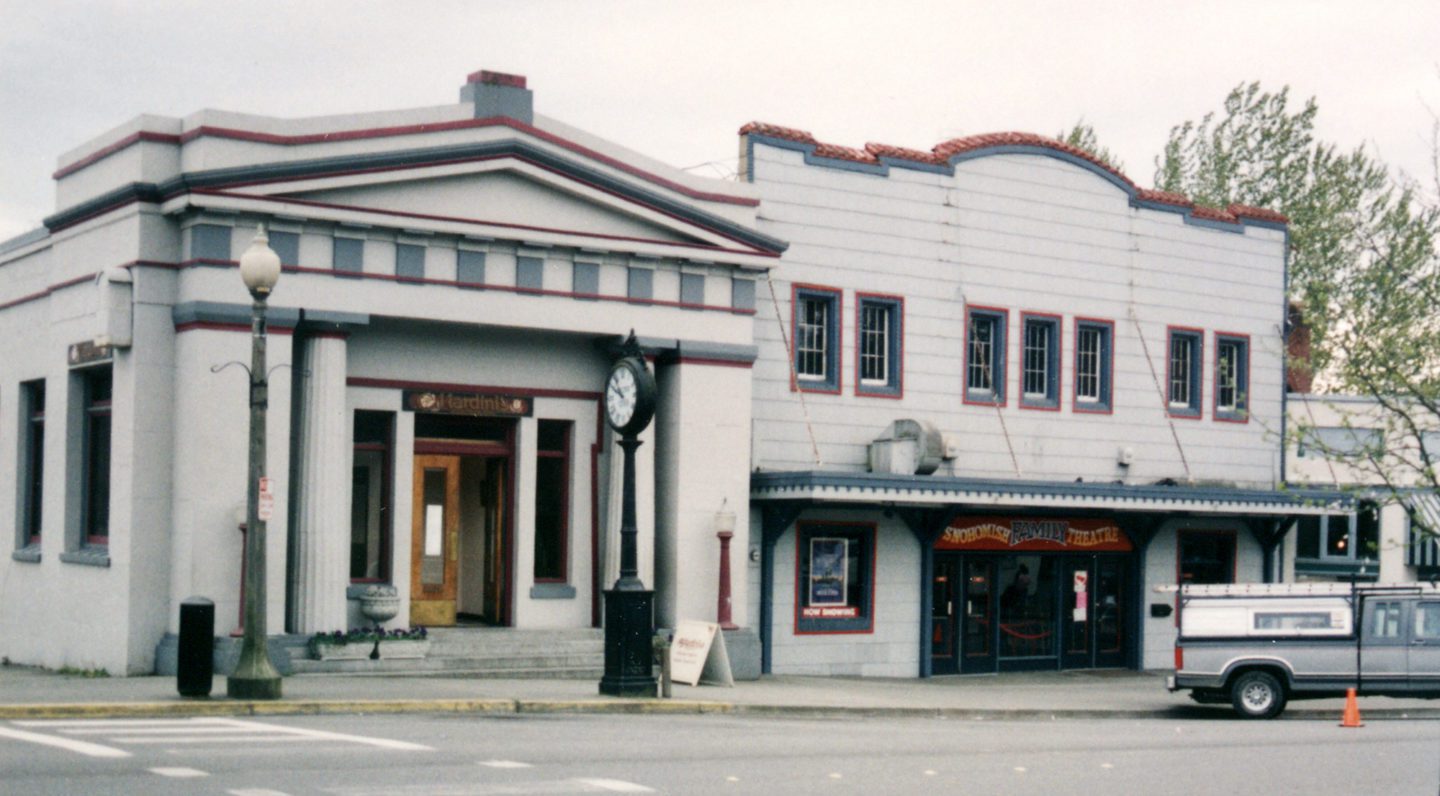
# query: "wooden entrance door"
{"type": "Point", "coordinates": [435, 540]}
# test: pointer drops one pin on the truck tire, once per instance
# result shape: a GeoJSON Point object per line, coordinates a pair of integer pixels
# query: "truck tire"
{"type": "Point", "coordinates": [1257, 695]}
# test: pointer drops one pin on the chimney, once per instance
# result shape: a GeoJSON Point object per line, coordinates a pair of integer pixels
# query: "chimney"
{"type": "Point", "coordinates": [499, 94]}
{"type": "Point", "coordinates": [1299, 377]}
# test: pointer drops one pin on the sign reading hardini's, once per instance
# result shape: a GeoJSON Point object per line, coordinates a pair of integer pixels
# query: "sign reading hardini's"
{"type": "Point", "coordinates": [459, 403]}
{"type": "Point", "coordinates": [1003, 533]}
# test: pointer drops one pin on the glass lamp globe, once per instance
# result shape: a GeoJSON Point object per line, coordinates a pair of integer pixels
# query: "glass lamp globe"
{"type": "Point", "coordinates": [260, 265]}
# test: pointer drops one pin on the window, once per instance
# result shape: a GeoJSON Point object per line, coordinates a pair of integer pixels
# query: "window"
{"type": "Point", "coordinates": [1183, 372]}
{"type": "Point", "coordinates": [1232, 377]}
{"type": "Point", "coordinates": [1094, 355]}
{"type": "Point", "coordinates": [1341, 441]}
{"type": "Point", "coordinates": [469, 267]}
{"type": "Point", "coordinates": [640, 283]}
{"type": "Point", "coordinates": [880, 345]}
{"type": "Point", "coordinates": [286, 245]}
{"type": "Point", "coordinates": [529, 273]}
{"type": "Point", "coordinates": [552, 500]}
{"type": "Point", "coordinates": [985, 355]}
{"type": "Point", "coordinates": [817, 338]}
{"type": "Point", "coordinates": [1427, 621]}
{"type": "Point", "coordinates": [835, 588]}
{"type": "Point", "coordinates": [370, 497]}
{"type": "Point", "coordinates": [349, 255]}
{"type": "Point", "coordinates": [1040, 361]}
{"type": "Point", "coordinates": [210, 242]}
{"type": "Point", "coordinates": [95, 507]}
{"type": "Point", "coordinates": [1339, 544]}
{"type": "Point", "coordinates": [1385, 621]}
{"type": "Point", "coordinates": [586, 278]}
{"type": "Point", "coordinates": [1207, 557]}
{"type": "Point", "coordinates": [409, 261]}
{"type": "Point", "coordinates": [742, 294]}
{"type": "Point", "coordinates": [1422, 550]}
{"type": "Point", "coordinates": [692, 290]}
{"type": "Point", "coordinates": [32, 462]}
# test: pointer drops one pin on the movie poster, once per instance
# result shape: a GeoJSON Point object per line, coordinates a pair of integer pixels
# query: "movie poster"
{"type": "Point", "coordinates": [828, 559]}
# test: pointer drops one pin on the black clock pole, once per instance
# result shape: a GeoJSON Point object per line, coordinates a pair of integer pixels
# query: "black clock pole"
{"type": "Point", "coordinates": [629, 606]}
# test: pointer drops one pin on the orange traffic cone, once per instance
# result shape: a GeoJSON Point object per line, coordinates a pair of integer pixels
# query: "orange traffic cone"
{"type": "Point", "coordinates": [1351, 717]}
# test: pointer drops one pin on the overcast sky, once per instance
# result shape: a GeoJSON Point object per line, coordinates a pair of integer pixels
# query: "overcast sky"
{"type": "Point", "coordinates": [677, 79]}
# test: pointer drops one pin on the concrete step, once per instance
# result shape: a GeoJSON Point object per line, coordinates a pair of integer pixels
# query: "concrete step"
{"type": "Point", "coordinates": [482, 652]}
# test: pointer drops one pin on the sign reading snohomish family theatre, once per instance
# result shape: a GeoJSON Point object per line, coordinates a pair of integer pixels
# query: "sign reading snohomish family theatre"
{"type": "Point", "coordinates": [465, 403]}
{"type": "Point", "coordinates": [1058, 535]}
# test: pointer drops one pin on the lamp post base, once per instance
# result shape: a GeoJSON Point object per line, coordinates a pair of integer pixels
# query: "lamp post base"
{"type": "Point", "coordinates": [252, 688]}
{"type": "Point", "coordinates": [629, 654]}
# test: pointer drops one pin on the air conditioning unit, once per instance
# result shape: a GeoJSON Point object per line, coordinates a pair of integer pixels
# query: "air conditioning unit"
{"type": "Point", "coordinates": [908, 447]}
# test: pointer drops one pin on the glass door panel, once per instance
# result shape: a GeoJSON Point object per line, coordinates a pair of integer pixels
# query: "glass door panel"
{"type": "Point", "coordinates": [944, 594]}
{"type": "Point", "coordinates": [1108, 605]}
{"type": "Point", "coordinates": [978, 635]}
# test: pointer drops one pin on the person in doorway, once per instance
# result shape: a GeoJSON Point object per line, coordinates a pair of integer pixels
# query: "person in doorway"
{"type": "Point", "coordinates": [1014, 595]}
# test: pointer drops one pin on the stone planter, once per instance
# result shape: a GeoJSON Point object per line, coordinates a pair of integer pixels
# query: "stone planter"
{"type": "Point", "coordinates": [380, 603]}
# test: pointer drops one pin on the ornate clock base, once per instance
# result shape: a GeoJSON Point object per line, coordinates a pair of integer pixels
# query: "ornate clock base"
{"type": "Point", "coordinates": [629, 656]}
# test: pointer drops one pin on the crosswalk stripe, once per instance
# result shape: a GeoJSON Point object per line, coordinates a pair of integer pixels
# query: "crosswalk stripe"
{"type": "Point", "coordinates": [505, 764]}
{"type": "Point", "coordinates": [615, 785]}
{"type": "Point", "coordinates": [69, 744]}
{"type": "Point", "coordinates": [179, 773]}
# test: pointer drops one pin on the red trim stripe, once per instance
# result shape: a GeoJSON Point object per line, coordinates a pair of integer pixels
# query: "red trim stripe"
{"type": "Point", "coordinates": [479, 389]}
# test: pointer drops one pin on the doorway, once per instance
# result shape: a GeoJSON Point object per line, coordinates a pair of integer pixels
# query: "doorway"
{"type": "Point", "coordinates": [1022, 611]}
{"type": "Point", "coordinates": [460, 541]}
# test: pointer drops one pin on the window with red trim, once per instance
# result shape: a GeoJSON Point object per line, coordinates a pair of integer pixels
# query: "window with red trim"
{"type": "Point", "coordinates": [835, 577]}
{"type": "Point", "coordinates": [552, 500]}
{"type": "Point", "coordinates": [370, 526]}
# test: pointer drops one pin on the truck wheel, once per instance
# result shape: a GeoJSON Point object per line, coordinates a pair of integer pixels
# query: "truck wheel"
{"type": "Point", "coordinates": [1257, 695]}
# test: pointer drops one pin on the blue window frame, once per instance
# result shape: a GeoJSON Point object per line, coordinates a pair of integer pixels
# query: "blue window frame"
{"type": "Point", "coordinates": [1039, 361]}
{"type": "Point", "coordinates": [469, 267]}
{"type": "Point", "coordinates": [1185, 353]}
{"type": "Point", "coordinates": [985, 355]}
{"type": "Point", "coordinates": [529, 273]}
{"type": "Point", "coordinates": [816, 338]}
{"type": "Point", "coordinates": [1232, 377]}
{"type": "Point", "coordinates": [1094, 364]}
{"type": "Point", "coordinates": [210, 242]}
{"type": "Point", "coordinates": [285, 244]}
{"type": "Point", "coordinates": [879, 345]}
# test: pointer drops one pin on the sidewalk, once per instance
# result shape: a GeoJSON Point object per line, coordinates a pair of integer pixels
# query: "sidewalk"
{"type": "Point", "coordinates": [35, 693]}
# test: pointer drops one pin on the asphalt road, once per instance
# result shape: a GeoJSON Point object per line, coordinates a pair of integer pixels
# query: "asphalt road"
{"type": "Point", "coordinates": [457, 755]}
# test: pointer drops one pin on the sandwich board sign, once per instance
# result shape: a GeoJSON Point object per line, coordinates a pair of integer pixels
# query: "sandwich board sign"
{"type": "Point", "coordinates": [698, 654]}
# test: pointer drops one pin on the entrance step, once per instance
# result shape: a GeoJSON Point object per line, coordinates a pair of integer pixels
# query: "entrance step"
{"type": "Point", "coordinates": [484, 652]}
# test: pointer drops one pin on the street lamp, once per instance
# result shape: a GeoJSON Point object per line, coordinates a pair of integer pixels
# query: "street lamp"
{"type": "Point", "coordinates": [255, 677]}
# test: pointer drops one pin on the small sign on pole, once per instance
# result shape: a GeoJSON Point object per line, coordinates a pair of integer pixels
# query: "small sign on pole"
{"type": "Point", "coordinates": [698, 654]}
{"type": "Point", "coordinates": [266, 504]}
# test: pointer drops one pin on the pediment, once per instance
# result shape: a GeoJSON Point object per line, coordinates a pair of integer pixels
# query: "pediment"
{"type": "Point", "coordinates": [506, 197]}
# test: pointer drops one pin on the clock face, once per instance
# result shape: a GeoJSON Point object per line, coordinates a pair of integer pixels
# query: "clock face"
{"type": "Point", "coordinates": [621, 395]}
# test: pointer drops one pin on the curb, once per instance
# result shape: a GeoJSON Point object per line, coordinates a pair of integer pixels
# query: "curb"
{"type": "Point", "coordinates": [503, 707]}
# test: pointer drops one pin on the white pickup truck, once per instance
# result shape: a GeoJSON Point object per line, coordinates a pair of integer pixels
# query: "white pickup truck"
{"type": "Point", "coordinates": [1259, 645]}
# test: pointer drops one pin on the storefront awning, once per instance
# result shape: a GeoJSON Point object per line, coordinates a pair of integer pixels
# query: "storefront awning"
{"type": "Point", "coordinates": [925, 490]}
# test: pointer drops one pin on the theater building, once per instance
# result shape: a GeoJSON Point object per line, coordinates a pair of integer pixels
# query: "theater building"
{"type": "Point", "coordinates": [455, 282]}
{"type": "Point", "coordinates": [1002, 394]}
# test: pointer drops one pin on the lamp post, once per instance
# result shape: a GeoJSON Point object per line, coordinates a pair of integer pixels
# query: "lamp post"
{"type": "Point", "coordinates": [255, 677]}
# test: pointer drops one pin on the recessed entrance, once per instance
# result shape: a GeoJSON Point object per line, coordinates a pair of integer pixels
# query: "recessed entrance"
{"type": "Point", "coordinates": [1011, 594]}
{"type": "Point", "coordinates": [461, 548]}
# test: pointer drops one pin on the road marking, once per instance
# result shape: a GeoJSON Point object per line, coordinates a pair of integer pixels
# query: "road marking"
{"type": "Point", "coordinates": [179, 772]}
{"type": "Point", "coordinates": [615, 785]}
{"type": "Point", "coordinates": [256, 792]}
{"type": "Point", "coordinates": [82, 747]}
{"type": "Point", "coordinates": [195, 731]}
{"type": "Point", "coordinates": [505, 764]}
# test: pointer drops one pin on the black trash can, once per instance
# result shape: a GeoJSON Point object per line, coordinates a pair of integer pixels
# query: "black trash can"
{"type": "Point", "coordinates": [195, 658]}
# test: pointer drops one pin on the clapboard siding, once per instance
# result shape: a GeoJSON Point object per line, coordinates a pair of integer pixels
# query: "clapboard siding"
{"type": "Point", "coordinates": [1027, 233]}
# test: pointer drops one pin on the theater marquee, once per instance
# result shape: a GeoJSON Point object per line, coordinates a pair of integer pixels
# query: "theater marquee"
{"type": "Point", "coordinates": [1055, 535]}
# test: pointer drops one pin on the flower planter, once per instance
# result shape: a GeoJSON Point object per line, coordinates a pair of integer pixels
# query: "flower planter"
{"type": "Point", "coordinates": [404, 648]}
{"type": "Point", "coordinates": [358, 651]}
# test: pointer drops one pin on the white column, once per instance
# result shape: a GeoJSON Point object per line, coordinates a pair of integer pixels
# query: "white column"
{"type": "Point", "coordinates": [323, 494]}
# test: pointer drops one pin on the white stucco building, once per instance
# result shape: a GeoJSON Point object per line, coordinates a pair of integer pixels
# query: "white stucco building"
{"type": "Point", "coordinates": [455, 280]}
{"type": "Point", "coordinates": [1375, 541]}
{"type": "Point", "coordinates": [1001, 394]}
